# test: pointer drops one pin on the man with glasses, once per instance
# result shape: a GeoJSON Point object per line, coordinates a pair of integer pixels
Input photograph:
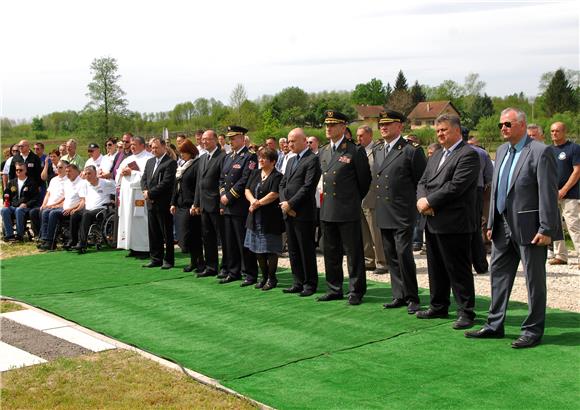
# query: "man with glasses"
{"type": "Point", "coordinates": [20, 197]}
{"type": "Point", "coordinates": [30, 161]}
{"type": "Point", "coordinates": [72, 157]}
{"type": "Point", "coordinates": [95, 157]}
{"type": "Point", "coordinates": [523, 221]}
{"type": "Point", "coordinates": [53, 200]}
{"type": "Point", "coordinates": [6, 168]}
{"type": "Point", "coordinates": [313, 144]}
{"type": "Point", "coordinates": [122, 154]}
{"type": "Point", "coordinates": [39, 151]}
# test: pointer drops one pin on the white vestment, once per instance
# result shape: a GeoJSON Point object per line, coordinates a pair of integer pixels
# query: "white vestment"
{"type": "Point", "coordinates": [132, 231]}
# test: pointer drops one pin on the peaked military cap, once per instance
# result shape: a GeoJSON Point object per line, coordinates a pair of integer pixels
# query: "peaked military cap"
{"type": "Point", "coordinates": [234, 130]}
{"type": "Point", "coordinates": [334, 117]}
{"type": "Point", "coordinates": [389, 116]}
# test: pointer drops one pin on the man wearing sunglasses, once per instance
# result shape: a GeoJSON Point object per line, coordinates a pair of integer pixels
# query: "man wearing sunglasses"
{"type": "Point", "coordinates": [523, 221]}
{"type": "Point", "coordinates": [20, 196]}
{"type": "Point", "coordinates": [123, 154]}
{"type": "Point", "coordinates": [95, 157]}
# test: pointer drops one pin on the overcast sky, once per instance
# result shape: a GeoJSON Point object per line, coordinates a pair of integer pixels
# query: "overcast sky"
{"type": "Point", "coordinates": [174, 51]}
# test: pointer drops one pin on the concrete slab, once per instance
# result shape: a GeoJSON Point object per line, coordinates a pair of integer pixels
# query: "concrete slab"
{"type": "Point", "coordinates": [34, 319]}
{"type": "Point", "coordinates": [12, 357]}
{"type": "Point", "coordinates": [82, 339]}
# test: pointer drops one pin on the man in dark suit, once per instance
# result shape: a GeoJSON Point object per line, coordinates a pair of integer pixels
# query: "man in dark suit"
{"type": "Point", "coordinates": [157, 186]}
{"type": "Point", "coordinates": [398, 167]}
{"type": "Point", "coordinates": [446, 196]}
{"type": "Point", "coordinates": [523, 220]}
{"type": "Point", "coordinates": [236, 169]}
{"type": "Point", "coordinates": [30, 160]}
{"type": "Point", "coordinates": [207, 203]}
{"type": "Point", "coordinates": [346, 177]}
{"type": "Point", "coordinates": [298, 203]}
{"type": "Point", "coordinates": [21, 195]}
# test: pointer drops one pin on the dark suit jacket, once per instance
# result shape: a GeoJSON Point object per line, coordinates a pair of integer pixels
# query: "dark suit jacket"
{"type": "Point", "coordinates": [299, 187]}
{"type": "Point", "coordinates": [534, 186]}
{"type": "Point", "coordinates": [236, 170]}
{"type": "Point", "coordinates": [159, 184]}
{"type": "Point", "coordinates": [28, 194]}
{"type": "Point", "coordinates": [451, 191]}
{"type": "Point", "coordinates": [184, 189]}
{"type": "Point", "coordinates": [346, 177]}
{"type": "Point", "coordinates": [207, 192]}
{"type": "Point", "coordinates": [395, 181]}
{"type": "Point", "coordinates": [33, 167]}
{"type": "Point", "coordinates": [271, 214]}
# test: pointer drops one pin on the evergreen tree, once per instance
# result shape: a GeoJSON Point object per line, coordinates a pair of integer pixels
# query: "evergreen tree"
{"type": "Point", "coordinates": [417, 94]}
{"type": "Point", "coordinates": [401, 82]}
{"type": "Point", "coordinates": [482, 107]}
{"type": "Point", "coordinates": [559, 96]}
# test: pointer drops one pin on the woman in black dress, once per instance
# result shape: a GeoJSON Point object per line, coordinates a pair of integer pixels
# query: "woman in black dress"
{"type": "Point", "coordinates": [189, 225]}
{"type": "Point", "coordinates": [265, 224]}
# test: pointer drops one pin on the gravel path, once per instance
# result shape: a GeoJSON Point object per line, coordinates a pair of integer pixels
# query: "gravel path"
{"type": "Point", "coordinates": [38, 343]}
{"type": "Point", "coordinates": [563, 282]}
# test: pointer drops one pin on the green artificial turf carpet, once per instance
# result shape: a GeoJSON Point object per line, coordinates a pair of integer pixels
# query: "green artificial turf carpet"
{"type": "Point", "coordinates": [291, 352]}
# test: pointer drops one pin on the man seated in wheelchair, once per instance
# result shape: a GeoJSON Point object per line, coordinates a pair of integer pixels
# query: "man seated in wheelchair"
{"type": "Point", "coordinates": [96, 194]}
{"type": "Point", "coordinates": [21, 195]}
{"type": "Point", "coordinates": [70, 206]}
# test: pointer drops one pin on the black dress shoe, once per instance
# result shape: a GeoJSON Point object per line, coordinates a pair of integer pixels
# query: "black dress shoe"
{"type": "Point", "coordinates": [354, 300]}
{"type": "Point", "coordinates": [206, 274]}
{"type": "Point", "coordinates": [228, 279]}
{"type": "Point", "coordinates": [431, 314]}
{"type": "Point", "coordinates": [484, 333]}
{"type": "Point", "coordinates": [327, 297]}
{"type": "Point", "coordinates": [462, 322]}
{"type": "Point", "coordinates": [152, 265]}
{"type": "Point", "coordinates": [247, 282]}
{"type": "Point", "coordinates": [396, 303]}
{"type": "Point", "coordinates": [188, 269]}
{"type": "Point", "coordinates": [293, 289]}
{"type": "Point", "coordinates": [306, 293]}
{"type": "Point", "coordinates": [222, 275]}
{"type": "Point", "coordinates": [271, 284]}
{"type": "Point", "coordinates": [413, 307]}
{"type": "Point", "coordinates": [524, 342]}
{"type": "Point", "coordinates": [167, 265]}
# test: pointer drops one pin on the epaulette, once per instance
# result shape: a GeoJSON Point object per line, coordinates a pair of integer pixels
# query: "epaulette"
{"type": "Point", "coordinates": [414, 144]}
{"type": "Point", "coordinates": [251, 151]}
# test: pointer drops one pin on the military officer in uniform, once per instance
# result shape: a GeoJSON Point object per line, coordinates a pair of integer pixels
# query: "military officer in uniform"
{"type": "Point", "coordinates": [398, 167]}
{"type": "Point", "coordinates": [346, 178]}
{"type": "Point", "coordinates": [236, 169]}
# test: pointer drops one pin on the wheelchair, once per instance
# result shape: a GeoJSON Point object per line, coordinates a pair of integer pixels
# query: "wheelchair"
{"type": "Point", "coordinates": [102, 230]}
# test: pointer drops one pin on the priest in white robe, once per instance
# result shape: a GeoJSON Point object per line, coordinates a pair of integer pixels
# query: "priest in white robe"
{"type": "Point", "coordinates": [132, 233]}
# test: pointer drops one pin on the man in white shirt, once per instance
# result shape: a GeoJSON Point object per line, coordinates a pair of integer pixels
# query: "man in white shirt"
{"type": "Point", "coordinates": [95, 157]}
{"type": "Point", "coordinates": [96, 193]}
{"type": "Point", "coordinates": [53, 199]}
{"type": "Point", "coordinates": [132, 231]}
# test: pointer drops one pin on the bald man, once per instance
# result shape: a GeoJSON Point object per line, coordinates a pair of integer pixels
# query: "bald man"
{"type": "Point", "coordinates": [30, 160]}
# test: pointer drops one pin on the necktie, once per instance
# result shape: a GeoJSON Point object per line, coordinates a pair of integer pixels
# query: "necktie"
{"type": "Point", "coordinates": [333, 148]}
{"type": "Point", "coordinates": [295, 164]}
{"type": "Point", "coordinates": [156, 165]}
{"type": "Point", "coordinates": [503, 183]}
{"type": "Point", "coordinates": [446, 153]}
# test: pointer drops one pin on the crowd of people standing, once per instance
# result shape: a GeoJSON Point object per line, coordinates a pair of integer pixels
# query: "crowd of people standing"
{"type": "Point", "coordinates": [371, 201]}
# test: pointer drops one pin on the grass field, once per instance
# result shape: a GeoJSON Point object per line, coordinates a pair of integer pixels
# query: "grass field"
{"type": "Point", "coordinates": [292, 352]}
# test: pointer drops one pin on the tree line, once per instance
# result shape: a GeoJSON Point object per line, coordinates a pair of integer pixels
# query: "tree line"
{"type": "Point", "coordinates": [106, 112]}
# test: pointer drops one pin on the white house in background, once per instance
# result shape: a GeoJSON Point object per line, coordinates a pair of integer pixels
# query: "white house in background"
{"type": "Point", "coordinates": [425, 113]}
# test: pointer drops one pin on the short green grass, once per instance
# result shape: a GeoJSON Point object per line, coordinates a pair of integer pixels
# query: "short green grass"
{"type": "Point", "coordinates": [116, 379]}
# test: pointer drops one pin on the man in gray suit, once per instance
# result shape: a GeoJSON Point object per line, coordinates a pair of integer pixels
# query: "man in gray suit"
{"type": "Point", "coordinates": [373, 244]}
{"type": "Point", "coordinates": [397, 168]}
{"type": "Point", "coordinates": [524, 195]}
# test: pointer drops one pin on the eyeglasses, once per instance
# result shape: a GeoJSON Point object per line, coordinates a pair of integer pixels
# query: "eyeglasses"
{"type": "Point", "coordinates": [309, 142]}
{"type": "Point", "coordinates": [90, 151]}
{"type": "Point", "coordinates": [61, 167]}
{"type": "Point", "coordinates": [127, 142]}
{"type": "Point", "coordinates": [110, 144]}
{"type": "Point", "coordinates": [19, 170]}
{"type": "Point", "coordinates": [508, 124]}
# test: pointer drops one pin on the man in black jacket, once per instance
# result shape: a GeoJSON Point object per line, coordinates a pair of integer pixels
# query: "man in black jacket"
{"type": "Point", "coordinates": [236, 169]}
{"type": "Point", "coordinates": [20, 196]}
{"type": "Point", "coordinates": [157, 185]}
{"type": "Point", "coordinates": [446, 196]}
{"type": "Point", "coordinates": [298, 203]}
{"type": "Point", "coordinates": [30, 160]}
{"type": "Point", "coordinates": [346, 178]}
{"type": "Point", "coordinates": [207, 203]}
